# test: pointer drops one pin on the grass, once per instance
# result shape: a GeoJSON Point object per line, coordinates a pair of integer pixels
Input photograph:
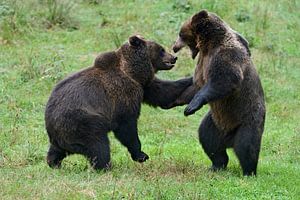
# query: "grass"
{"type": "Point", "coordinates": [39, 46]}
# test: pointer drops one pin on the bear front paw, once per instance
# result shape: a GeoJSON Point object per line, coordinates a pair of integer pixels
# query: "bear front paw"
{"type": "Point", "coordinates": [189, 110]}
{"type": "Point", "coordinates": [142, 157]}
{"type": "Point", "coordinates": [194, 105]}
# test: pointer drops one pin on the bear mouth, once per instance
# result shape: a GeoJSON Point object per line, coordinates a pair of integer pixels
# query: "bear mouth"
{"type": "Point", "coordinates": [194, 53]}
{"type": "Point", "coordinates": [169, 65]}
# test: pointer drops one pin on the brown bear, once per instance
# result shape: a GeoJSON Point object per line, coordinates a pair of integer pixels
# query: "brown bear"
{"type": "Point", "coordinates": [226, 79]}
{"type": "Point", "coordinates": [85, 106]}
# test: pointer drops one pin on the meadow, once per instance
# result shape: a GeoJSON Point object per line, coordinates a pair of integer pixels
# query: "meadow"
{"type": "Point", "coordinates": [42, 41]}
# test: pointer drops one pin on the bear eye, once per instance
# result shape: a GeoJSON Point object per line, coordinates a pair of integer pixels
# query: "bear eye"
{"type": "Point", "coordinates": [182, 36]}
{"type": "Point", "coordinates": [162, 52]}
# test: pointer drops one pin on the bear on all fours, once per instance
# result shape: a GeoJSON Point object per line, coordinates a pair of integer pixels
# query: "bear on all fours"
{"type": "Point", "coordinates": [106, 97]}
{"type": "Point", "coordinates": [226, 79]}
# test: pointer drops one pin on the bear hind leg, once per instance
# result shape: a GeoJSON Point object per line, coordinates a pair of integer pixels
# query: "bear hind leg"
{"type": "Point", "coordinates": [127, 134]}
{"type": "Point", "coordinates": [91, 140]}
{"type": "Point", "coordinates": [211, 140]}
{"type": "Point", "coordinates": [55, 156]}
{"type": "Point", "coordinates": [96, 149]}
{"type": "Point", "coordinates": [247, 146]}
{"type": "Point", "coordinates": [219, 160]}
{"type": "Point", "coordinates": [99, 154]}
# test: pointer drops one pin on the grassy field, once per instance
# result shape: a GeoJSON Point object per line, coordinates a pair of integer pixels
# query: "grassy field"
{"type": "Point", "coordinates": [44, 40]}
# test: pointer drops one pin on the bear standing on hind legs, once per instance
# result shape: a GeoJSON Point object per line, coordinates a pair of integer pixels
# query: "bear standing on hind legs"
{"type": "Point", "coordinates": [106, 97]}
{"type": "Point", "coordinates": [226, 79]}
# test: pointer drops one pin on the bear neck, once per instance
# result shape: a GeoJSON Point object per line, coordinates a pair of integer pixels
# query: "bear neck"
{"type": "Point", "coordinates": [210, 39]}
{"type": "Point", "coordinates": [137, 65]}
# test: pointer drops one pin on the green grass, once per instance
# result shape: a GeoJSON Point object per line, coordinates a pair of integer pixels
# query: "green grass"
{"type": "Point", "coordinates": [39, 46]}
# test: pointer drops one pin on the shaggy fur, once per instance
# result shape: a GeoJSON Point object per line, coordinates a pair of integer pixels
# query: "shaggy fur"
{"type": "Point", "coordinates": [226, 79]}
{"type": "Point", "coordinates": [106, 97]}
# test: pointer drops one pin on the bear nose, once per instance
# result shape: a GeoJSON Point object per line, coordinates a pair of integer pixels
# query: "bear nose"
{"type": "Point", "coordinates": [173, 61]}
{"type": "Point", "coordinates": [175, 49]}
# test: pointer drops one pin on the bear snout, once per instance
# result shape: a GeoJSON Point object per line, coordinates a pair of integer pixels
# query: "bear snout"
{"type": "Point", "coordinates": [175, 49]}
{"type": "Point", "coordinates": [179, 44]}
{"type": "Point", "coordinates": [173, 60]}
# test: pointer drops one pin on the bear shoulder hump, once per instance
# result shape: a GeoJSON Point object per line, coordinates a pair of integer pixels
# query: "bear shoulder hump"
{"type": "Point", "coordinates": [106, 60]}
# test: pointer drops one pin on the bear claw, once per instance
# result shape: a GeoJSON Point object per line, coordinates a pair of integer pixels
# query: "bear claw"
{"type": "Point", "coordinates": [141, 158]}
{"type": "Point", "coordinates": [189, 111]}
{"type": "Point", "coordinates": [214, 168]}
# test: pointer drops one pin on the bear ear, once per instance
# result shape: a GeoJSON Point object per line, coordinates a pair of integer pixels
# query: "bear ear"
{"type": "Point", "coordinates": [136, 41]}
{"type": "Point", "coordinates": [200, 15]}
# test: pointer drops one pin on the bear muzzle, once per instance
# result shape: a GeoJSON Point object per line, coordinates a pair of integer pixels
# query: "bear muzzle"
{"type": "Point", "coordinates": [179, 44]}
{"type": "Point", "coordinates": [169, 64]}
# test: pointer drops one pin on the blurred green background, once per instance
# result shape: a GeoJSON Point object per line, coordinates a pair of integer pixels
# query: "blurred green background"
{"type": "Point", "coordinates": [42, 41]}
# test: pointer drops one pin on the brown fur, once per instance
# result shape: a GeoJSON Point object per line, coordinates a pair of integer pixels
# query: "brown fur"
{"type": "Point", "coordinates": [85, 106]}
{"type": "Point", "coordinates": [226, 79]}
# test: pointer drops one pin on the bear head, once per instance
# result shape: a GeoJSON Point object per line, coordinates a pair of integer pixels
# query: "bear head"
{"type": "Point", "coordinates": [202, 29]}
{"type": "Point", "coordinates": [160, 58]}
{"type": "Point", "coordinates": [144, 58]}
